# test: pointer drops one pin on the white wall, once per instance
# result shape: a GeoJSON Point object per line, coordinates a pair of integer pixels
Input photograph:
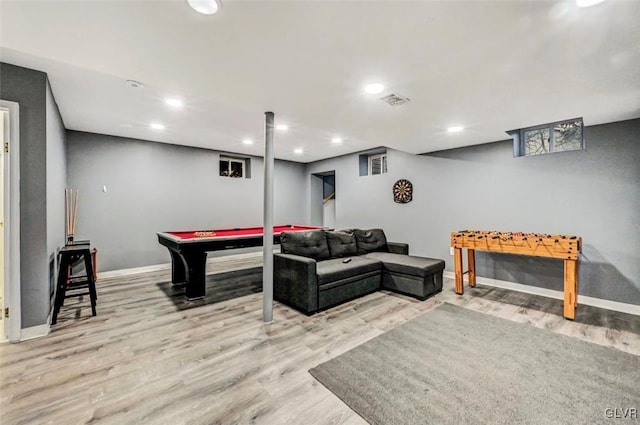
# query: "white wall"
{"type": "Point", "coordinates": [315, 201]}
{"type": "Point", "coordinates": [329, 214]}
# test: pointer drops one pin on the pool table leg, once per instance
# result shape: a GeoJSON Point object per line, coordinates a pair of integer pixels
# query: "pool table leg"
{"type": "Point", "coordinates": [196, 263]}
{"type": "Point", "coordinates": [177, 268]}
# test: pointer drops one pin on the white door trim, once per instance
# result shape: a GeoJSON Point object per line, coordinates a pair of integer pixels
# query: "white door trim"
{"type": "Point", "coordinates": [12, 220]}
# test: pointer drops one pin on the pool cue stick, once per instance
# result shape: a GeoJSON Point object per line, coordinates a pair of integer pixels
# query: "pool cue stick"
{"type": "Point", "coordinates": [66, 213]}
{"type": "Point", "coordinates": [75, 212]}
{"type": "Point", "coordinates": [70, 207]}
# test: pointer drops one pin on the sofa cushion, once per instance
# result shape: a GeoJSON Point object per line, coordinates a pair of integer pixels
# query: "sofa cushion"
{"type": "Point", "coordinates": [341, 244]}
{"type": "Point", "coordinates": [407, 264]}
{"type": "Point", "coordinates": [332, 270]}
{"type": "Point", "coordinates": [371, 240]}
{"type": "Point", "coordinates": [312, 244]}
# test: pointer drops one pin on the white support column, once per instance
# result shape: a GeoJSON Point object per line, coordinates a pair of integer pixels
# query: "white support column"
{"type": "Point", "coordinates": [267, 268]}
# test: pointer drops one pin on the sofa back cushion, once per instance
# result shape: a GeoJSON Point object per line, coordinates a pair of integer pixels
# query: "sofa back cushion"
{"type": "Point", "coordinates": [312, 244]}
{"type": "Point", "coordinates": [372, 240]}
{"type": "Point", "coordinates": [341, 244]}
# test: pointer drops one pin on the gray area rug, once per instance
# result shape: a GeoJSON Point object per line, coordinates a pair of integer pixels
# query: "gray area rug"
{"type": "Point", "coordinates": [456, 366]}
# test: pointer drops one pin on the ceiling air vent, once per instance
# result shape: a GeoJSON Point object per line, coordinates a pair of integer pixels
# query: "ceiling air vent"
{"type": "Point", "coordinates": [394, 99]}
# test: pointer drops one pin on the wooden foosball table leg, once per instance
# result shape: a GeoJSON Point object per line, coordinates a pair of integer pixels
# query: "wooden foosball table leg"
{"type": "Point", "coordinates": [471, 263]}
{"type": "Point", "coordinates": [457, 261]}
{"type": "Point", "coordinates": [570, 288]}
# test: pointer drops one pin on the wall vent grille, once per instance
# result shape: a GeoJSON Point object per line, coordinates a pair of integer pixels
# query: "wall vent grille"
{"type": "Point", "coordinates": [394, 99]}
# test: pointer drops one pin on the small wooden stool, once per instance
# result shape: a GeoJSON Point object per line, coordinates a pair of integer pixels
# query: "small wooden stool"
{"type": "Point", "coordinates": [68, 282]}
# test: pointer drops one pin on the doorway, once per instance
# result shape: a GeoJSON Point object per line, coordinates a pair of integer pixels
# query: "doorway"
{"type": "Point", "coordinates": [4, 122]}
{"type": "Point", "coordinates": [323, 199]}
{"type": "Point", "coordinates": [10, 324]}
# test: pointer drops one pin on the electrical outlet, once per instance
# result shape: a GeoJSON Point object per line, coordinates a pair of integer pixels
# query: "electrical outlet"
{"type": "Point", "coordinates": [450, 250]}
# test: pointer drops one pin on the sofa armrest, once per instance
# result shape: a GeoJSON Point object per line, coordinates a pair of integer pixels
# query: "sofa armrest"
{"type": "Point", "coordinates": [295, 281]}
{"type": "Point", "coordinates": [398, 248]}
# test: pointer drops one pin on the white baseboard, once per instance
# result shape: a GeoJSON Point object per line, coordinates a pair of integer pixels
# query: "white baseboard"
{"type": "Point", "coordinates": [134, 270]}
{"type": "Point", "coordinates": [167, 266]}
{"type": "Point", "coordinates": [34, 332]}
{"type": "Point", "coordinates": [551, 293]}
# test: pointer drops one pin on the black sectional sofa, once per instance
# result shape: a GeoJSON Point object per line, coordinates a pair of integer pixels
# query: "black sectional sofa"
{"type": "Point", "coordinates": [319, 269]}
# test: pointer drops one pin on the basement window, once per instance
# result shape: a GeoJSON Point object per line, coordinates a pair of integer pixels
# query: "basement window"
{"type": "Point", "coordinates": [234, 167]}
{"type": "Point", "coordinates": [373, 163]}
{"type": "Point", "coordinates": [560, 136]}
{"type": "Point", "coordinates": [377, 164]}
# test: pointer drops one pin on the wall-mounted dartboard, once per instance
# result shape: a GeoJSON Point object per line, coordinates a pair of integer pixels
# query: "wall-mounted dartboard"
{"type": "Point", "coordinates": [402, 191]}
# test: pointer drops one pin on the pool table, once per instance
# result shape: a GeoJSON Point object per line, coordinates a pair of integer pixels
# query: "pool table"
{"type": "Point", "coordinates": [188, 250]}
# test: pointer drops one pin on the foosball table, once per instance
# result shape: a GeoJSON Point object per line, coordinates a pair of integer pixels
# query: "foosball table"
{"type": "Point", "coordinates": [564, 247]}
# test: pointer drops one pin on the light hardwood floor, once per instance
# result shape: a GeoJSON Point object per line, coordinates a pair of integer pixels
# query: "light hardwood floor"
{"type": "Point", "coordinates": [151, 357]}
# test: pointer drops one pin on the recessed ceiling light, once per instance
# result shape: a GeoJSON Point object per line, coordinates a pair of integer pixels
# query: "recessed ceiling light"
{"type": "Point", "coordinates": [134, 84]}
{"type": "Point", "coordinates": [298, 151]}
{"type": "Point", "coordinates": [247, 142]}
{"type": "Point", "coordinates": [156, 126]}
{"type": "Point", "coordinates": [282, 127]}
{"type": "Point", "coordinates": [174, 101]}
{"type": "Point", "coordinates": [374, 88]}
{"type": "Point", "coordinates": [588, 3]}
{"type": "Point", "coordinates": [456, 129]}
{"type": "Point", "coordinates": [206, 7]}
{"type": "Point", "coordinates": [336, 140]}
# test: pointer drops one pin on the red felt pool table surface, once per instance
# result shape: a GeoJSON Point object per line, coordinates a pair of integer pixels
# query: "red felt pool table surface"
{"type": "Point", "coordinates": [237, 232]}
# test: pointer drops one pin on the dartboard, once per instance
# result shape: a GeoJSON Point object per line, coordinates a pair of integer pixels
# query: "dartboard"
{"type": "Point", "coordinates": [402, 191]}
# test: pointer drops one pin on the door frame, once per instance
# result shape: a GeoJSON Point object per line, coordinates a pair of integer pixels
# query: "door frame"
{"type": "Point", "coordinates": [11, 219]}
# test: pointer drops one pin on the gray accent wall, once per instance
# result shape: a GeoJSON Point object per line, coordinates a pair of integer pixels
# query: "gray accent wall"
{"type": "Point", "coordinates": [152, 187]}
{"type": "Point", "coordinates": [593, 193]}
{"type": "Point", "coordinates": [56, 175]}
{"type": "Point", "coordinates": [28, 88]}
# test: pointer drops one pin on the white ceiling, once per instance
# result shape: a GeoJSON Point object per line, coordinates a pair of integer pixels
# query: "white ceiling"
{"type": "Point", "coordinates": [490, 66]}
